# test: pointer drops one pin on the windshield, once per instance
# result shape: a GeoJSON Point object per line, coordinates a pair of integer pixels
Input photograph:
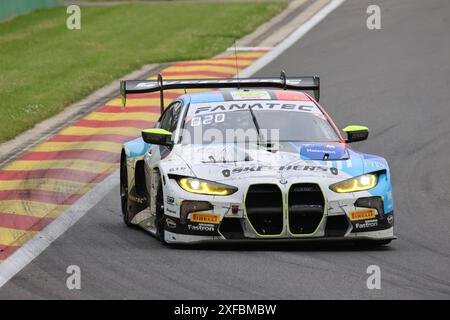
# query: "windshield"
{"type": "Point", "coordinates": [277, 122]}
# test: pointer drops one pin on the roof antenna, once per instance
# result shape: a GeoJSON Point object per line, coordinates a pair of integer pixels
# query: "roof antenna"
{"type": "Point", "coordinates": [283, 79]}
{"type": "Point", "coordinates": [161, 93]}
{"type": "Point", "coordinates": [237, 68]}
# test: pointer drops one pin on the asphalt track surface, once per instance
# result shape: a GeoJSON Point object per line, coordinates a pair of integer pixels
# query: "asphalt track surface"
{"type": "Point", "coordinates": [396, 81]}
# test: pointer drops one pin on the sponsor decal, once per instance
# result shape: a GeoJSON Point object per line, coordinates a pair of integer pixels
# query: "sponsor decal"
{"type": "Point", "coordinates": [205, 217]}
{"type": "Point", "coordinates": [362, 214]}
{"type": "Point", "coordinates": [304, 106]}
{"type": "Point", "coordinates": [373, 164]}
{"type": "Point", "coordinates": [177, 169]}
{"type": "Point", "coordinates": [170, 200]}
{"type": "Point", "coordinates": [234, 208]}
{"type": "Point", "coordinates": [366, 224]}
{"type": "Point", "coordinates": [377, 223]}
{"type": "Point", "coordinates": [201, 227]}
{"type": "Point", "coordinates": [248, 95]}
{"type": "Point", "coordinates": [170, 223]}
{"type": "Point", "coordinates": [145, 85]}
{"type": "Point", "coordinates": [171, 211]}
{"type": "Point", "coordinates": [316, 151]}
{"type": "Point", "coordinates": [390, 219]}
{"type": "Point", "coordinates": [333, 170]}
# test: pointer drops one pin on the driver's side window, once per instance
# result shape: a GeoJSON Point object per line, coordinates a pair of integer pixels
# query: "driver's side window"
{"type": "Point", "coordinates": [170, 117]}
{"type": "Point", "coordinates": [166, 119]}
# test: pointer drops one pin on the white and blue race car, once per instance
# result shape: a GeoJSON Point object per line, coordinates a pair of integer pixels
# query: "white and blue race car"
{"type": "Point", "coordinates": [257, 158]}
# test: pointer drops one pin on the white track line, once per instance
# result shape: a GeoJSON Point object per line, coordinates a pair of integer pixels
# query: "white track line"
{"type": "Point", "coordinates": [291, 39]}
{"type": "Point", "coordinates": [30, 250]}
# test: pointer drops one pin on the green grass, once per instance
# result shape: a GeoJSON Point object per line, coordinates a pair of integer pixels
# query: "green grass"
{"type": "Point", "coordinates": [45, 67]}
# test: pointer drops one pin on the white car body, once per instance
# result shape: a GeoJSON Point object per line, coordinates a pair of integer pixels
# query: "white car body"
{"type": "Point", "coordinates": [287, 175]}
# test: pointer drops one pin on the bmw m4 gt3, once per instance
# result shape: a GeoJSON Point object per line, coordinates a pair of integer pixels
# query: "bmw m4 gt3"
{"type": "Point", "coordinates": [256, 158]}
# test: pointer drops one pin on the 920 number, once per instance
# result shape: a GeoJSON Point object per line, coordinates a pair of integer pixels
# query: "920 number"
{"type": "Point", "coordinates": [208, 119]}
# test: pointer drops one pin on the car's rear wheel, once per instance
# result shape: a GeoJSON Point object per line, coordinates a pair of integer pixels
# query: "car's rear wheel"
{"type": "Point", "coordinates": [127, 216]}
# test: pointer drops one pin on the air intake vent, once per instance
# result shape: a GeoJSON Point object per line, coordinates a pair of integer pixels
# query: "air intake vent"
{"type": "Point", "coordinates": [264, 207]}
{"type": "Point", "coordinates": [231, 228]}
{"type": "Point", "coordinates": [306, 208]}
{"type": "Point", "coordinates": [336, 226]}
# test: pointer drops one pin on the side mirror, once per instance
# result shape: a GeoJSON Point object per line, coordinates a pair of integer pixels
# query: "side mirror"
{"type": "Point", "coordinates": [356, 133]}
{"type": "Point", "coordinates": [157, 136]}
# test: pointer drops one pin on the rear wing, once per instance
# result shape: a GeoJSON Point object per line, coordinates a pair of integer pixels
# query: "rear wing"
{"type": "Point", "coordinates": [147, 86]}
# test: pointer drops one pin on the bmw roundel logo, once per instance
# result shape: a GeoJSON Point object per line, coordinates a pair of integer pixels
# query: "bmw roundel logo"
{"type": "Point", "coordinates": [226, 173]}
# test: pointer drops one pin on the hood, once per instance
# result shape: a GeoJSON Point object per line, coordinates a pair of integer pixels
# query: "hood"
{"type": "Point", "coordinates": [220, 162]}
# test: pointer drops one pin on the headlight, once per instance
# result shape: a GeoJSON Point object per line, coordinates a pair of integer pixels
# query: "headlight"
{"type": "Point", "coordinates": [206, 187]}
{"type": "Point", "coordinates": [361, 183]}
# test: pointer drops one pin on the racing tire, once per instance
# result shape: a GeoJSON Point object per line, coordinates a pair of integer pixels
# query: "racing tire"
{"type": "Point", "coordinates": [124, 200]}
{"type": "Point", "coordinates": [159, 207]}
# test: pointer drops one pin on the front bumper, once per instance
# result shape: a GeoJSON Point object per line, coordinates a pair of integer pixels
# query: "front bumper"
{"type": "Point", "coordinates": [331, 228]}
{"type": "Point", "coordinates": [384, 235]}
{"type": "Point", "coordinates": [299, 211]}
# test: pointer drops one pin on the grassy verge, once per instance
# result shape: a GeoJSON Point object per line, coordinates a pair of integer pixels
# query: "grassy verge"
{"type": "Point", "coordinates": [45, 67]}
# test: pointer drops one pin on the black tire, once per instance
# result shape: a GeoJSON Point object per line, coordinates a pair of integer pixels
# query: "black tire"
{"type": "Point", "coordinates": [159, 207]}
{"type": "Point", "coordinates": [127, 216]}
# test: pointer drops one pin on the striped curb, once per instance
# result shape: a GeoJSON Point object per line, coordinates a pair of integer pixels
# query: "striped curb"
{"type": "Point", "coordinates": [40, 185]}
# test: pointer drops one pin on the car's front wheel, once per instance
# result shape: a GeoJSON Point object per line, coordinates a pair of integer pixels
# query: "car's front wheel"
{"type": "Point", "coordinates": [159, 221]}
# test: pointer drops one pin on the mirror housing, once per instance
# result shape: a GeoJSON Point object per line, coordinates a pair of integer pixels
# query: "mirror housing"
{"type": "Point", "coordinates": [157, 136]}
{"type": "Point", "coordinates": [356, 133]}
